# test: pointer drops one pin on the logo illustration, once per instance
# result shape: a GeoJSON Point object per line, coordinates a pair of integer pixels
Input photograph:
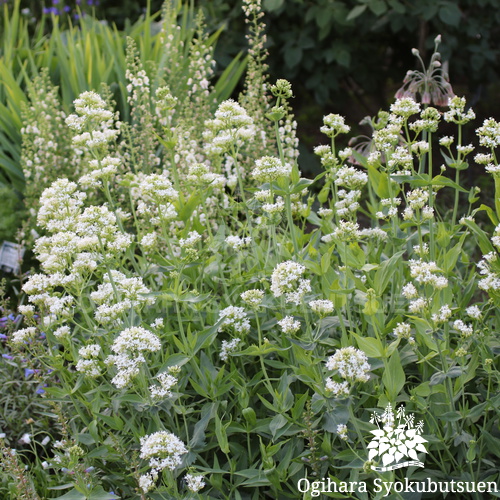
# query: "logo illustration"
{"type": "Point", "coordinates": [394, 441]}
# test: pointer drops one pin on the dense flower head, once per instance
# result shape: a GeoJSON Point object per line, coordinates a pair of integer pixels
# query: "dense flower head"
{"type": "Point", "coordinates": [234, 318]}
{"type": "Point", "coordinates": [163, 390]}
{"type": "Point", "coordinates": [201, 175]}
{"type": "Point", "coordinates": [231, 127]}
{"type": "Point", "coordinates": [490, 282]}
{"type": "Point", "coordinates": [101, 170]}
{"type": "Point", "coordinates": [489, 133]}
{"type": "Point", "coordinates": [400, 158]}
{"type": "Point", "coordinates": [334, 125]}
{"type": "Point", "coordinates": [270, 168]}
{"type": "Point", "coordinates": [60, 205]}
{"type": "Point", "coordinates": [474, 312]}
{"type": "Point", "coordinates": [131, 295]}
{"type": "Point", "coordinates": [163, 450]}
{"type": "Point", "coordinates": [194, 483]}
{"type": "Point", "coordinates": [237, 242]}
{"type": "Point", "coordinates": [344, 231]}
{"type": "Point", "coordinates": [403, 331]}
{"type": "Point", "coordinates": [337, 389]}
{"type": "Point", "coordinates": [457, 113]}
{"type": "Point", "coordinates": [351, 364]}
{"type": "Point", "coordinates": [136, 339]}
{"type": "Point", "coordinates": [321, 307]}
{"type": "Point", "coordinates": [423, 272]}
{"type": "Point", "coordinates": [228, 347]}
{"type": "Point", "coordinates": [253, 297]}
{"type": "Point", "coordinates": [287, 280]}
{"type": "Point", "coordinates": [405, 107]}
{"type": "Point", "coordinates": [351, 178]}
{"type": "Point", "coordinates": [289, 325]}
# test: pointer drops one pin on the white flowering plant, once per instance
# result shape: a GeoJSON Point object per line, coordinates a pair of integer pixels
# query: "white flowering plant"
{"type": "Point", "coordinates": [215, 328]}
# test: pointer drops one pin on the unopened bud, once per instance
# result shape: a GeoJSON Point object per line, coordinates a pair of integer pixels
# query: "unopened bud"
{"type": "Point", "coordinates": [415, 52]}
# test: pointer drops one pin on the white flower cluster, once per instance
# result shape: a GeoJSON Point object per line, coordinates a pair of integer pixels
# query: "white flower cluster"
{"type": "Point", "coordinates": [129, 347]}
{"type": "Point", "coordinates": [351, 178]}
{"type": "Point", "coordinates": [443, 315]}
{"type": "Point", "coordinates": [101, 170]}
{"type": "Point", "coordinates": [235, 319]}
{"type": "Point", "coordinates": [351, 364]}
{"type": "Point", "coordinates": [194, 483]}
{"type": "Point", "coordinates": [231, 127]}
{"type": "Point", "coordinates": [474, 312]}
{"type": "Point", "coordinates": [287, 280]}
{"type": "Point", "coordinates": [190, 242]}
{"type": "Point", "coordinates": [289, 325]}
{"type": "Point", "coordinates": [465, 329]}
{"type": "Point", "coordinates": [228, 347]}
{"type": "Point", "coordinates": [87, 363]}
{"type": "Point", "coordinates": [237, 242]}
{"type": "Point", "coordinates": [489, 134]}
{"type": "Point", "coordinates": [200, 174]}
{"type": "Point", "coordinates": [270, 168]}
{"type": "Point", "coordinates": [457, 113]}
{"type": "Point", "coordinates": [167, 381]}
{"type": "Point", "coordinates": [348, 202]}
{"type": "Point", "coordinates": [163, 450]}
{"type": "Point", "coordinates": [334, 125]}
{"type": "Point", "coordinates": [155, 197]}
{"type": "Point", "coordinates": [119, 294]}
{"type": "Point", "coordinates": [422, 272]}
{"type": "Point", "coordinates": [491, 278]}
{"type": "Point", "coordinates": [321, 307]}
{"type": "Point", "coordinates": [344, 231]}
{"type": "Point", "coordinates": [405, 107]}
{"type": "Point", "coordinates": [403, 331]}
{"type": "Point", "coordinates": [253, 297]}
{"type": "Point", "coordinates": [93, 121]}
{"type": "Point", "coordinates": [23, 335]}
{"type": "Point", "coordinates": [337, 389]}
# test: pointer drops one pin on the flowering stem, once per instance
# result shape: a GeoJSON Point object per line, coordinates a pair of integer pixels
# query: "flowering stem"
{"type": "Point", "coordinates": [457, 180]}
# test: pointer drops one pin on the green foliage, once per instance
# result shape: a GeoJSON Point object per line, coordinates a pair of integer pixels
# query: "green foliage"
{"type": "Point", "coordinates": [86, 56]}
{"type": "Point", "coordinates": [330, 47]}
{"type": "Point", "coordinates": [226, 312]}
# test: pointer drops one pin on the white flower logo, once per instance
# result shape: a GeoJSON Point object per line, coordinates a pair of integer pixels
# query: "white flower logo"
{"type": "Point", "coordinates": [394, 442]}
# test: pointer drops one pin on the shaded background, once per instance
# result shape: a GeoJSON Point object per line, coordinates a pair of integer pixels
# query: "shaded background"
{"type": "Point", "coordinates": [345, 56]}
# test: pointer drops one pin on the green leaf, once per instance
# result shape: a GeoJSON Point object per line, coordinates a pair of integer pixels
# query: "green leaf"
{"type": "Point", "coordinates": [271, 5]}
{"type": "Point", "coordinates": [437, 378]}
{"type": "Point", "coordinates": [482, 238]}
{"type": "Point", "coordinates": [276, 424]}
{"type": "Point", "coordinates": [220, 432]}
{"type": "Point", "coordinates": [450, 14]}
{"type": "Point", "coordinates": [371, 346]}
{"type": "Point", "coordinates": [293, 56]}
{"type": "Point", "coordinates": [356, 12]}
{"type": "Point", "coordinates": [386, 272]}
{"type": "Point", "coordinates": [73, 495]}
{"type": "Point", "coordinates": [208, 412]}
{"type": "Point", "coordinates": [99, 493]}
{"type": "Point", "coordinates": [378, 7]}
{"type": "Point", "coordinates": [393, 377]}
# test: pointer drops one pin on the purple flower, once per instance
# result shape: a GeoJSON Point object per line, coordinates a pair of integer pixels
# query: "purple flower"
{"type": "Point", "coordinates": [40, 389]}
{"type": "Point", "coordinates": [7, 356]}
{"type": "Point", "coordinates": [28, 372]}
{"type": "Point", "coordinates": [3, 336]}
